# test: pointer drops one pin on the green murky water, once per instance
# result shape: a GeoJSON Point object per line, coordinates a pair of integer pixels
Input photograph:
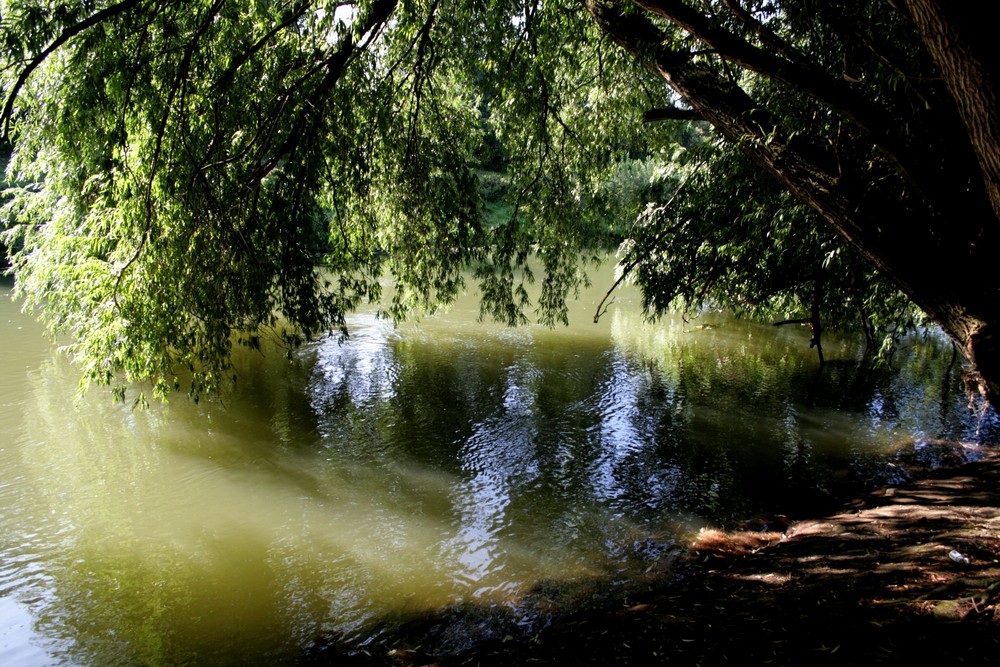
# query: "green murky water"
{"type": "Point", "coordinates": [411, 469]}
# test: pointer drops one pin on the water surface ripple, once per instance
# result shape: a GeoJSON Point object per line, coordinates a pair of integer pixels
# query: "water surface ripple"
{"type": "Point", "coordinates": [446, 464]}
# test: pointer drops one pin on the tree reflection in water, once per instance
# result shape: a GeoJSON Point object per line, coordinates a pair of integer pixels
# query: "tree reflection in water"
{"type": "Point", "coordinates": [409, 469]}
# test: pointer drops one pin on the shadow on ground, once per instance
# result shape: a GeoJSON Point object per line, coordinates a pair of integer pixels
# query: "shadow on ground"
{"type": "Point", "coordinates": [908, 573]}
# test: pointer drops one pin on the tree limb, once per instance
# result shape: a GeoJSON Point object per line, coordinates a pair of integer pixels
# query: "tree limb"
{"type": "Point", "coordinates": [66, 35]}
{"type": "Point", "coordinates": [177, 87]}
{"type": "Point", "coordinates": [238, 62]}
{"type": "Point", "coordinates": [881, 127]}
{"type": "Point", "coordinates": [335, 64]}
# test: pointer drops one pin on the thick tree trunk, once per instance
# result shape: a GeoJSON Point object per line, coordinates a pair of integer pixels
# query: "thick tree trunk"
{"type": "Point", "coordinates": [978, 339]}
{"type": "Point", "coordinates": [984, 354]}
{"type": "Point", "coordinates": [963, 46]}
{"type": "Point", "coordinates": [939, 251]}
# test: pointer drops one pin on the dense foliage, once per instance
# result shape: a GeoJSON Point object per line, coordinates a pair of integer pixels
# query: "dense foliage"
{"type": "Point", "coordinates": [186, 175]}
{"type": "Point", "coordinates": [726, 235]}
{"type": "Point", "coordinates": [879, 116]}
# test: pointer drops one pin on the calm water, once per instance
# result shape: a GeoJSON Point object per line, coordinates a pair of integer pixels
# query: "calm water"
{"type": "Point", "coordinates": [407, 470]}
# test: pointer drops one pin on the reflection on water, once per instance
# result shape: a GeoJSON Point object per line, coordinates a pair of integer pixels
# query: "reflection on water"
{"type": "Point", "coordinates": [410, 469]}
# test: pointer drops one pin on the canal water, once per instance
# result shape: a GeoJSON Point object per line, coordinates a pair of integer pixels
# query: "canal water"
{"type": "Point", "coordinates": [446, 464]}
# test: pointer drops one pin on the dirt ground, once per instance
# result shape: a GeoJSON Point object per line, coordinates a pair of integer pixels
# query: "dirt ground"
{"type": "Point", "coordinates": [902, 574]}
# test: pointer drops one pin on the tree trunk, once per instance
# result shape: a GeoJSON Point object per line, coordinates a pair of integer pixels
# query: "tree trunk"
{"type": "Point", "coordinates": [962, 45]}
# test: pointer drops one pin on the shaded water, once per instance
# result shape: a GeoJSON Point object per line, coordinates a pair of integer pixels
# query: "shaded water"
{"type": "Point", "coordinates": [411, 469]}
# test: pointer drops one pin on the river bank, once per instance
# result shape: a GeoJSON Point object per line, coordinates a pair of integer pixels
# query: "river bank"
{"type": "Point", "coordinates": [902, 573]}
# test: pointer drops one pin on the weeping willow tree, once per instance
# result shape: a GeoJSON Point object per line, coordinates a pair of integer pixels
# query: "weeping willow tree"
{"type": "Point", "coordinates": [189, 175]}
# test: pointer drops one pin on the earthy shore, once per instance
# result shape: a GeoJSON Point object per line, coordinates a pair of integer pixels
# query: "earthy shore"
{"type": "Point", "coordinates": [901, 574]}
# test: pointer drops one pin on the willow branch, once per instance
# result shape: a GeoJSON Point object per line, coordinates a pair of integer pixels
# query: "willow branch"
{"type": "Point", "coordinates": [635, 262]}
{"type": "Point", "coordinates": [335, 64]}
{"type": "Point", "coordinates": [808, 78]}
{"type": "Point", "coordinates": [66, 35]}
{"type": "Point", "coordinates": [177, 87]}
{"type": "Point", "coordinates": [230, 72]}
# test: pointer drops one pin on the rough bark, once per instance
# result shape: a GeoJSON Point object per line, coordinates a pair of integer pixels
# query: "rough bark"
{"type": "Point", "coordinates": [961, 44]}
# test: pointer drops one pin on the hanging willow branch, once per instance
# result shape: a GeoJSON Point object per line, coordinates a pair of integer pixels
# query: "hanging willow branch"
{"type": "Point", "coordinates": [72, 31]}
{"type": "Point", "coordinates": [601, 308]}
